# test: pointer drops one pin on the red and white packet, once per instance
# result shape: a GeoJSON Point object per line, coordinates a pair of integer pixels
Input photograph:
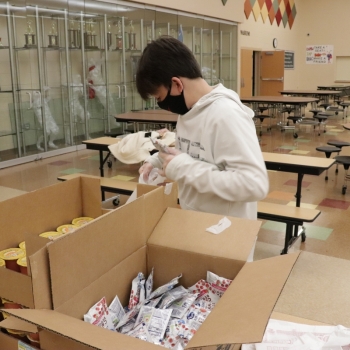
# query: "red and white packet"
{"type": "Point", "coordinates": [99, 315]}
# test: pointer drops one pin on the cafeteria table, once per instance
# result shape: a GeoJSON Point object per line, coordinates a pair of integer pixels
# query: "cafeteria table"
{"type": "Point", "coordinates": [101, 144]}
{"type": "Point", "coordinates": [300, 165]}
{"type": "Point", "coordinates": [326, 94]}
{"type": "Point", "coordinates": [150, 116]}
{"type": "Point", "coordinates": [275, 101]}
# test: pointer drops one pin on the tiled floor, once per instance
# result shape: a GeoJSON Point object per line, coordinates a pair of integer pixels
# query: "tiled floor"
{"type": "Point", "coordinates": [329, 234]}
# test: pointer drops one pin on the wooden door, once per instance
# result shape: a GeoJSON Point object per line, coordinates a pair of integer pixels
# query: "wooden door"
{"type": "Point", "coordinates": [271, 73]}
{"type": "Point", "coordinates": [246, 73]}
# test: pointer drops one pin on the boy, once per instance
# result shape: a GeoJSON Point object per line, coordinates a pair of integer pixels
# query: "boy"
{"type": "Point", "coordinates": [217, 161]}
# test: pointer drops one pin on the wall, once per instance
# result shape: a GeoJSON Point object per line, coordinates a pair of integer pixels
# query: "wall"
{"type": "Point", "coordinates": [232, 11]}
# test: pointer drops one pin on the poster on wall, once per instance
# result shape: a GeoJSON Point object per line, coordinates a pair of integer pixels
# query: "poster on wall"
{"type": "Point", "coordinates": [319, 54]}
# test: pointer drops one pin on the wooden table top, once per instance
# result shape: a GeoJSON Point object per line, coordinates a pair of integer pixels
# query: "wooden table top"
{"type": "Point", "coordinates": [150, 116]}
{"type": "Point", "coordinates": [310, 92]}
{"type": "Point", "coordinates": [298, 161]}
{"type": "Point", "coordinates": [105, 140]}
{"type": "Point", "coordinates": [280, 99]}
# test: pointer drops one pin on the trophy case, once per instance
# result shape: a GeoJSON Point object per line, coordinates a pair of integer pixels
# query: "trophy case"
{"type": "Point", "coordinates": [68, 67]}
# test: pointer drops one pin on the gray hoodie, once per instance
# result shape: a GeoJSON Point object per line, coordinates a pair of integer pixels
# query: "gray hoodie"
{"type": "Point", "coordinates": [221, 169]}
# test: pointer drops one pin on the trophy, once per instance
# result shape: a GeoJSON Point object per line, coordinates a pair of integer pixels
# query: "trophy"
{"type": "Point", "coordinates": [90, 36]}
{"type": "Point", "coordinates": [73, 36]}
{"type": "Point", "coordinates": [109, 36]}
{"type": "Point", "coordinates": [149, 35]}
{"type": "Point", "coordinates": [132, 37]}
{"type": "Point", "coordinates": [29, 36]}
{"type": "Point", "coordinates": [53, 37]}
{"type": "Point", "coordinates": [119, 37]}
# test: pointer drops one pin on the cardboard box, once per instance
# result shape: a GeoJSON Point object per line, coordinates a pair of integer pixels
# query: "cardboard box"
{"type": "Point", "coordinates": [300, 287]}
{"type": "Point", "coordinates": [24, 217]}
{"type": "Point", "coordinates": [103, 257]}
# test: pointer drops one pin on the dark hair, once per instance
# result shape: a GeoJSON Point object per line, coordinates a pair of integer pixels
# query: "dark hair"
{"type": "Point", "coordinates": [162, 59]}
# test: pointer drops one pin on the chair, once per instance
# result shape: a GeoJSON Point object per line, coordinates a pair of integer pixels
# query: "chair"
{"type": "Point", "coordinates": [339, 144]}
{"type": "Point", "coordinates": [345, 160]}
{"type": "Point", "coordinates": [328, 150]}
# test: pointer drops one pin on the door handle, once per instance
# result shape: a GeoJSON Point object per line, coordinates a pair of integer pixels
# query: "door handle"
{"type": "Point", "coordinates": [30, 100]}
{"type": "Point", "coordinates": [272, 79]}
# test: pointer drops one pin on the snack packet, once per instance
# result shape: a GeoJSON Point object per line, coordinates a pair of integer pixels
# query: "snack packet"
{"type": "Point", "coordinates": [164, 288]}
{"type": "Point", "coordinates": [140, 332]}
{"type": "Point", "coordinates": [116, 310]}
{"type": "Point", "coordinates": [181, 306]}
{"type": "Point", "coordinates": [197, 314]}
{"type": "Point", "coordinates": [156, 321]}
{"type": "Point", "coordinates": [99, 315]}
{"type": "Point", "coordinates": [172, 295]}
{"type": "Point", "coordinates": [149, 284]}
{"type": "Point", "coordinates": [136, 290]}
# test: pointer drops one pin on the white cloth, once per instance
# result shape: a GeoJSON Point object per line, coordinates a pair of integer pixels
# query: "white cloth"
{"type": "Point", "coordinates": [221, 170]}
{"type": "Point", "coordinates": [135, 148]}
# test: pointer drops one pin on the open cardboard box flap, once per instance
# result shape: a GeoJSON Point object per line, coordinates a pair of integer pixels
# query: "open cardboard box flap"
{"type": "Point", "coordinates": [253, 292]}
{"type": "Point", "coordinates": [18, 325]}
{"type": "Point", "coordinates": [122, 232]}
{"type": "Point", "coordinates": [23, 218]}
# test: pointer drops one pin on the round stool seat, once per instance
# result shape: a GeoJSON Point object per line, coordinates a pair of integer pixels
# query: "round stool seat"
{"type": "Point", "coordinates": [346, 126]}
{"type": "Point", "coordinates": [325, 114]}
{"type": "Point", "coordinates": [315, 111]}
{"type": "Point", "coordinates": [295, 119]}
{"type": "Point", "coordinates": [308, 121]}
{"type": "Point", "coordinates": [320, 117]}
{"type": "Point", "coordinates": [339, 144]}
{"type": "Point", "coordinates": [262, 116]}
{"type": "Point", "coordinates": [328, 150]}
{"type": "Point", "coordinates": [345, 160]}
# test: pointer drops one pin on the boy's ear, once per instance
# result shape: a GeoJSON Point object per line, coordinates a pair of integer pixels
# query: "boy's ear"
{"type": "Point", "coordinates": [176, 83]}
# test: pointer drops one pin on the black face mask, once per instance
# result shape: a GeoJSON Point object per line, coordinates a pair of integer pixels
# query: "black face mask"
{"type": "Point", "coordinates": [175, 104]}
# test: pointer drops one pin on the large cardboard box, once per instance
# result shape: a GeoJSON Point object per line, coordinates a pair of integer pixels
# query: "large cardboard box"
{"type": "Point", "coordinates": [24, 217]}
{"type": "Point", "coordinates": [103, 257]}
{"type": "Point", "coordinates": [300, 287]}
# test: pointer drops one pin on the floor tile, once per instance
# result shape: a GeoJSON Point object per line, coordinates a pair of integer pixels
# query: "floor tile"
{"type": "Point", "coordinates": [295, 182]}
{"type": "Point", "coordinates": [317, 232]}
{"type": "Point", "coordinates": [72, 171]}
{"type": "Point", "coordinates": [299, 152]}
{"type": "Point", "coordinates": [7, 193]}
{"type": "Point", "coordinates": [95, 158]}
{"type": "Point", "coordinates": [288, 147]}
{"type": "Point", "coordinates": [123, 177]}
{"type": "Point", "coordinates": [303, 140]}
{"type": "Point", "coordinates": [281, 150]}
{"type": "Point", "coordinates": [59, 162]}
{"type": "Point", "coordinates": [274, 226]}
{"type": "Point", "coordinates": [335, 203]}
{"type": "Point", "coordinates": [286, 196]}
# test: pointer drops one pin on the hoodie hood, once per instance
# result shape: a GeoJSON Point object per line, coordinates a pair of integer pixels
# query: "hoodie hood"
{"type": "Point", "coordinates": [219, 91]}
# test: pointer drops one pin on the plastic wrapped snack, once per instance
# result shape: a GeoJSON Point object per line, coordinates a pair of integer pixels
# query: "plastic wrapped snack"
{"type": "Point", "coordinates": [164, 288]}
{"type": "Point", "coordinates": [137, 290]}
{"type": "Point", "coordinates": [181, 306]}
{"type": "Point", "coordinates": [156, 321]}
{"type": "Point", "coordinates": [171, 296]}
{"type": "Point", "coordinates": [99, 315]}
{"type": "Point", "coordinates": [116, 310]}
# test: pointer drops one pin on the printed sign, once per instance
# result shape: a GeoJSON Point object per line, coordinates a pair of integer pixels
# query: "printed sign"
{"type": "Point", "coordinates": [319, 54]}
{"type": "Point", "coordinates": [288, 59]}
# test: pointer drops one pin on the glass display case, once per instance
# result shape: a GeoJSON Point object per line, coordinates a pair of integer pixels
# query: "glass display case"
{"type": "Point", "coordinates": [69, 67]}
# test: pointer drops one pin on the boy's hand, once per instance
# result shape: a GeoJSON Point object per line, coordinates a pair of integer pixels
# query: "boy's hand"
{"type": "Point", "coordinates": [145, 169]}
{"type": "Point", "coordinates": [167, 157]}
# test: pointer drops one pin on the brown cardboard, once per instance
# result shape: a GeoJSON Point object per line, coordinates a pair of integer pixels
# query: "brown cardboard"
{"type": "Point", "coordinates": [25, 217]}
{"type": "Point", "coordinates": [242, 313]}
{"type": "Point", "coordinates": [109, 252]}
{"type": "Point", "coordinates": [19, 325]}
{"type": "Point", "coordinates": [8, 342]}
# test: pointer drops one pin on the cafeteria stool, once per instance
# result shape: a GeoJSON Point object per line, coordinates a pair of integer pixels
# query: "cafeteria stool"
{"type": "Point", "coordinates": [325, 105]}
{"type": "Point", "coordinates": [328, 150]}
{"type": "Point", "coordinates": [335, 110]}
{"type": "Point", "coordinates": [345, 106]}
{"type": "Point", "coordinates": [322, 117]}
{"type": "Point", "coordinates": [345, 160]}
{"type": "Point", "coordinates": [339, 144]}
{"type": "Point", "coordinates": [261, 118]}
